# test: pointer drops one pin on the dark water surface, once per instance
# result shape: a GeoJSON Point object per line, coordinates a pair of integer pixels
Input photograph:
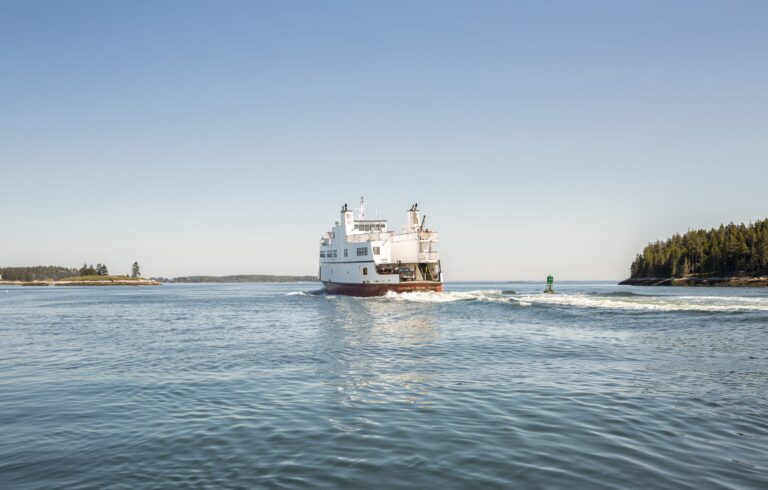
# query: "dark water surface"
{"type": "Point", "coordinates": [485, 386]}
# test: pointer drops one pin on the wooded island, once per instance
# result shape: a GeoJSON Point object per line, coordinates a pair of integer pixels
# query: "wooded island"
{"type": "Point", "coordinates": [731, 255]}
{"type": "Point", "coordinates": [87, 275]}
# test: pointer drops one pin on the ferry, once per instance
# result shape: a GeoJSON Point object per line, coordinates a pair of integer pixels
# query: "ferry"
{"type": "Point", "coordinates": [362, 257]}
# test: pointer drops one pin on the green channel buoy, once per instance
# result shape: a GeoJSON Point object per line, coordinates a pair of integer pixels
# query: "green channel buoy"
{"type": "Point", "coordinates": [550, 281]}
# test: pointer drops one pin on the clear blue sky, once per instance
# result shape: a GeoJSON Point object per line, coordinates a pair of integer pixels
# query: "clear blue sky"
{"type": "Point", "coordinates": [222, 137]}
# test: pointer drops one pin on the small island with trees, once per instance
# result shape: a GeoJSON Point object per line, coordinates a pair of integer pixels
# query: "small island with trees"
{"type": "Point", "coordinates": [87, 275]}
{"type": "Point", "coordinates": [731, 255]}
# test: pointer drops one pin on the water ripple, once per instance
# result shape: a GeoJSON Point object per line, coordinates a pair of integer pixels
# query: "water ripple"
{"type": "Point", "coordinates": [484, 386]}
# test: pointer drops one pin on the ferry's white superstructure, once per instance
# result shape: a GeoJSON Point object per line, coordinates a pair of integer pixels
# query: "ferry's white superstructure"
{"type": "Point", "coordinates": [362, 257]}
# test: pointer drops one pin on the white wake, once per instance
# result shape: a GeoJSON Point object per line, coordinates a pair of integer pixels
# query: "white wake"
{"type": "Point", "coordinates": [447, 297]}
{"type": "Point", "coordinates": [579, 300]}
{"type": "Point", "coordinates": [651, 303]}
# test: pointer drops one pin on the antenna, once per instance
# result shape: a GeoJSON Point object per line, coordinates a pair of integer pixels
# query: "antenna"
{"type": "Point", "coordinates": [362, 207]}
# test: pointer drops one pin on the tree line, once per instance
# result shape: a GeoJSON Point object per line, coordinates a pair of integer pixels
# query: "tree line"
{"type": "Point", "coordinates": [730, 250]}
{"type": "Point", "coordinates": [37, 273]}
{"type": "Point", "coordinates": [55, 273]}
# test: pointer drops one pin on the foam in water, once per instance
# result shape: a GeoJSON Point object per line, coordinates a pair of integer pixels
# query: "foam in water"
{"type": "Point", "coordinates": [447, 297]}
{"type": "Point", "coordinates": [650, 303]}
{"type": "Point", "coordinates": [313, 292]}
{"type": "Point", "coordinates": [621, 300]}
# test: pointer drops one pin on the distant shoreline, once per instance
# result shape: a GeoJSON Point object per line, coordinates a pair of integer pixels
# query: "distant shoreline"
{"type": "Point", "coordinates": [738, 282]}
{"type": "Point", "coordinates": [241, 278]}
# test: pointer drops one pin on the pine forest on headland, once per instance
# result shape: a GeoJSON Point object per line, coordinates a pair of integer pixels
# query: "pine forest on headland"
{"type": "Point", "coordinates": [728, 251]}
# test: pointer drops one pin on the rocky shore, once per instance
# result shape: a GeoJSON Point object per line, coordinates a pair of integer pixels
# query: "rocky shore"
{"type": "Point", "coordinates": [64, 282]}
{"type": "Point", "coordinates": [759, 282]}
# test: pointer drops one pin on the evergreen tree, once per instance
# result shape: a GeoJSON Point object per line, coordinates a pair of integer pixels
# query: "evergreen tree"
{"type": "Point", "coordinates": [135, 270]}
{"type": "Point", "coordinates": [88, 270]}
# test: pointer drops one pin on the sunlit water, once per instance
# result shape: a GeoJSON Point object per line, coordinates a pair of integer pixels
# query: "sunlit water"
{"type": "Point", "coordinates": [484, 386]}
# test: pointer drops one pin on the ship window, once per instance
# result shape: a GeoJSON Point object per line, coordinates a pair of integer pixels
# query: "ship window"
{"type": "Point", "coordinates": [376, 250]}
{"type": "Point", "coordinates": [362, 251]}
{"type": "Point", "coordinates": [345, 253]}
{"type": "Point", "coordinates": [335, 253]}
{"type": "Point", "coordinates": [365, 271]}
{"type": "Point", "coordinates": [322, 255]}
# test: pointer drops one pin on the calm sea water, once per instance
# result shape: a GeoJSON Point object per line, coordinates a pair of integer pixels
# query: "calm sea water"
{"type": "Point", "coordinates": [484, 386]}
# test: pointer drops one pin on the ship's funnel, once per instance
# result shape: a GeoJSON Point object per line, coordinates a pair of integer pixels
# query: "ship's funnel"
{"type": "Point", "coordinates": [413, 220]}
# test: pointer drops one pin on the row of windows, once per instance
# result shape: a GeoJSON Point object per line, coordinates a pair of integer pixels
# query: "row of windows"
{"type": "Point", "coordinates": [332, 254]}
{"type": "Point", "coordinates": [373, 227]}
{"type": "Point", "coordinates": [361, 252]}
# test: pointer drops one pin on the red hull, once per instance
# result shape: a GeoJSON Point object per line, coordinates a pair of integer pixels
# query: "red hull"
{"type": "Point", "coordinates": [380, 289]}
